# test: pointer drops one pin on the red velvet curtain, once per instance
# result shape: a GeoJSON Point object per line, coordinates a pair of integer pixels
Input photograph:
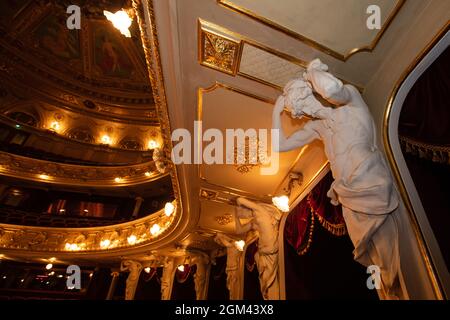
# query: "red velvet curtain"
{"type": "Point", "coordinates": [148, 276]}
{"type": "Point", "coordinates": [424, 115]}
{"type": "Point", "coordinates": [316, 206]}
{"type": "Point", "coordinates": [250, 255]}
{"type": "Point", "coordinates": [182, 276]}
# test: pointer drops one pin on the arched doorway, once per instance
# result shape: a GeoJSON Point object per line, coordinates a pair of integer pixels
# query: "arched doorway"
{"type": "Point", "coordinates": [429, 245]}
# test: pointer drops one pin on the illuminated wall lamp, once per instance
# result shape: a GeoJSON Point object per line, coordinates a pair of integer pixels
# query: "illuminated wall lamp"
{"type": "Point", "coordinates": [152, 144]}
{"type": "Point", "coordinates": [55, 126]}
{"type": "Point", "coordinates": [181, 268]}
{"type": "Point", "coordinates": [105, 243]}
{"type": "Point", "coordinates": [106, 139]}
{"type": "Point", "coordinates": [282, 202]}
{"type": "Point", "coordinates": [240, 244]}
{"type": "Point", "coordinates": [131, 239]}
{"type": "Point", "coordinates": [155, 229]}
{"type": "Point", "coordinates": [121, 20]}
{"type": "Point", "coordinates": [72, 247]}
{"type": "Point", "coordinates": [169, 208]}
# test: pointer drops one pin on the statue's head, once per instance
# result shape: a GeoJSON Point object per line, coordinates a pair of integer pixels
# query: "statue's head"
{"type": "Point", "coordinates": [297, 94]}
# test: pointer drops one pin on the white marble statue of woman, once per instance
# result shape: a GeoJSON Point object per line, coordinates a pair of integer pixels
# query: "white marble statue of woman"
{"type": "Point", "coordinates": [362, 181]}
{"type": "Point", "coordinates": [265, 220]}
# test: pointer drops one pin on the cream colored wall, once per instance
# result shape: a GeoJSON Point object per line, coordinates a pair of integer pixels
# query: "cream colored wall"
{"type": "Point", "coordinates": [312, 19]}
{"type": "Point", "coordinates": [377, 93]}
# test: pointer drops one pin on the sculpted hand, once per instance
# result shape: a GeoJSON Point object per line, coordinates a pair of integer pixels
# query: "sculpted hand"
{"type": "Point", "coordinates": [317, 64]}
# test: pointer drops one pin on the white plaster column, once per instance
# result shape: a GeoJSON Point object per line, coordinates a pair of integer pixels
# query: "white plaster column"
{"type": "Point", "coordinates": [112, 286]}
{"type": "Point", "coordinates": [137, 206]}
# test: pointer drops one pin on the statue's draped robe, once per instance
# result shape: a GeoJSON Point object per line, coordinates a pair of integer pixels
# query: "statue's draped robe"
{"type": "Point", "coordinates": [363, 185]}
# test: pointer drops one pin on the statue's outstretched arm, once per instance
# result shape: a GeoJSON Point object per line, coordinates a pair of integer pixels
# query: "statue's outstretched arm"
{"type": "Point", "coordinates": [327, 85]}
{"type": "Point", "coordinates": [223, 240]}
{"type": "Point", "coordinates": [296, 140]}
{"type": "Point", "coordinates": [242, 228]}
{"type": "Point", "coordinates": [246, 203]}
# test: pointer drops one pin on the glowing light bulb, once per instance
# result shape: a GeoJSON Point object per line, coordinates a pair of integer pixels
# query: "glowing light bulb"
{"type": "Point", "coordinates": [169, 209]}
{"type": "Point", "coordinates": [181, 268]}
{"type": "Point", "coordinates": [132, 239]}
{"type": "Point", "coordinates": [49, 266]}
{"type": "Point", "coordinates": [106, 139]}
{"type": "Point", "coordinates": [152, 144]}
{"type": "Point", "coordinates": [105, 243]}
{"type": "Point", "coordinates": [281, 203]}
{"type": "Point", "coordinates": [55, 126]}
{"type": "Point", "coordinates": [239, 245]}
{"type": "Point", "coordinates": [155, 229]}
{"type": "Point", "coordinates": [118, 179]}
{"type": "Point", "coordinates": [121, 20]}
{"type": "Point", "coordinates": [147, 174]}
{"type": "Point", "coordinates": [147, 270]}
{"type": "Point", "coordinates": [44, 176]}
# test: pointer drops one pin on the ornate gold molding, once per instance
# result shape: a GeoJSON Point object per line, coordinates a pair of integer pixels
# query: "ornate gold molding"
{"type": "Point", "coordinates": [208, 194]}
{"type": "Point", "coordinates": [70, 101]}
{"type": "Point", "coordinates": [216, 31]}
{"type": "Point", "coordinates": [149, 37]}
{"type": "Point", "coordinates": [66, 138]}
{"type": "Point", "coordinates": [87, 239]}
{"type": "Point", "coordinates": [432, 273]}
{"type": "Point", "coordinates": [344, 57]}
{"type": "Point", "coordinates": [432, 152]}
{"type": "Point", "coordinates": [76, 175]}
{"type": "Point", "coordinates": [218, 52]}
{"type": "Point", "coordinates": [224, 220]}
